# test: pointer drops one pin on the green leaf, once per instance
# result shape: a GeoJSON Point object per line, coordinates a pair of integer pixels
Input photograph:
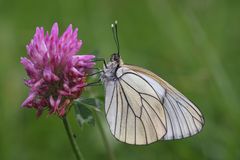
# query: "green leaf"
{"type": "Point", "coordinates": [83, 114]}
{"type": "Point", "coordinates": [84, 109]}
{"type": "Point", "coordinates": [92, 103]}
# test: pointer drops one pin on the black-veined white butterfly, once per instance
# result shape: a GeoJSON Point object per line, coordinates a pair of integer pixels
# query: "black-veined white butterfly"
{"type": "Point", "coordinates": [142, 108]}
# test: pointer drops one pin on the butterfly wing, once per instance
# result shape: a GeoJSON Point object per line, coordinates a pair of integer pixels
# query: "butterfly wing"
{"type": "Point", "coordinates": [141, 108]}
{"type": "Point", "coordinates": [183, 118]}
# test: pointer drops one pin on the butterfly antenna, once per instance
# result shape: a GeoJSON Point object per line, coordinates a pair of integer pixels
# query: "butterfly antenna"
{"type": "Point", "coordinates": [115, 35]}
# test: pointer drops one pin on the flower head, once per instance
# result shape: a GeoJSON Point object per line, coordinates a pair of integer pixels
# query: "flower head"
{"type": "Point", "coordinates": [56, 74]}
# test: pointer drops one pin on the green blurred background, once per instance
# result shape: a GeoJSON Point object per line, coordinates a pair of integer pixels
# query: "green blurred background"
{"type": "Point", "coordinates": [192, 44]}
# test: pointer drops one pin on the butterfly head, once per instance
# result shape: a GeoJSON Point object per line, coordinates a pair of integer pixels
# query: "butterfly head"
{"type": "Point", "coordinates": [111, 68]}
{"type": "Point", "coordinates": [115, 57]}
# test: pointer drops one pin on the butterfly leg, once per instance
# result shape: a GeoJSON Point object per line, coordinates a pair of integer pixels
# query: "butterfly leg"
{"type": "Point", "coordinates": [97, 72]}
{"type": "Point", "coordinates": [97, 83]}
{"type": "Point", "coordinates": [100, 60]}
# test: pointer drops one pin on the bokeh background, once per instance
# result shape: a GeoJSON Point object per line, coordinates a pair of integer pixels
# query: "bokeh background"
{"type": "Point", "coordinates": [194, 45]}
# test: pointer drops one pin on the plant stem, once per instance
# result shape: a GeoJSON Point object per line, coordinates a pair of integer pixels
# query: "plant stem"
{"type": "Point", "coordinates": [104, 137]}
{"type": "Point", "coordinates": [72, 140]}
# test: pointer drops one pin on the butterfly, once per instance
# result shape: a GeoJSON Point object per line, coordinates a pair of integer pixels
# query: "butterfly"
{"type": "Point", "coordinates": [142, 108]}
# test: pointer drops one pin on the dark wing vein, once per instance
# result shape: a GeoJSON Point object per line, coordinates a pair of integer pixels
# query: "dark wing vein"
{"type": "Point", "coordinates": [127, 99]}
{"type": "Point", "coordinates": [180, 108]}
{"type": "Point", "coordinates": [128, 105]}
{"type": "Point", "coordinates": [135, 133]}
{"type": "Point", "coordinates": [111, 98]}
{"type": "Point", "coordinates": [176, 114]}
{"type": "Point", "coordinates": [195, 125]}
{"type": "Point", "coordinates": [116, 109]}
{"type": "Point", "coordinates": [151, 120]}
{"type": "Point", "coordinates": [120, 92]}
{"type": "Point", "coordinates": [145, 133]}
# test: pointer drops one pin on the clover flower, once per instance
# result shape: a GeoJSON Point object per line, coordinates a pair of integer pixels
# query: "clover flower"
{"type": "Point", "coordinates": [56, 74]}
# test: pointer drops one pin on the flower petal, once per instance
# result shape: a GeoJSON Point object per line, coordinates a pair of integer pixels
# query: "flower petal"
{"type": "Point", "coordinates": [29, 67]}
{"type": "Point", "coordinates": [29, 99]}
{"type": "Point", "coordinates": [54, 31]}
